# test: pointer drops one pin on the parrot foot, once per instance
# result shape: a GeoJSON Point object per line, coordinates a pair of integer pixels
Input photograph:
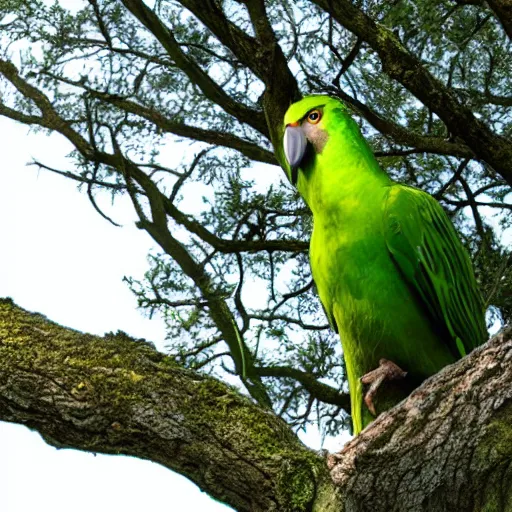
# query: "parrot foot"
{"type": "Point", "coordinates": [387, 370]}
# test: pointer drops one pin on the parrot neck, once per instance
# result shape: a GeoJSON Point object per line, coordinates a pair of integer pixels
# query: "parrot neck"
{"type": "Point", "coordinates": [344, 177]}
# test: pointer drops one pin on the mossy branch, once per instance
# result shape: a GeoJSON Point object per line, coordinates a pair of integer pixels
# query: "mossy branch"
{"type": "Point", "coordinates": [447, 447]}
{"type": "Point", "coordinates": [117, 395]}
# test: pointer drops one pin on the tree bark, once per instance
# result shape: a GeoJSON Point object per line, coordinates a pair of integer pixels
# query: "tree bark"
{"type": "Point", "coordinates": [446, 447]}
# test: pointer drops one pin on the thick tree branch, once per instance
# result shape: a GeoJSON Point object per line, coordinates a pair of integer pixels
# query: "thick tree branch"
{"type": "Point", "coordinates": [19, 116]}
{"type": "Point", "coordinates": [316, 388]}
{"type": "Point", "coordinates": [446, 447]}
{"type": "Point", "coordinates": [480, 98]}
{"type": "Point", "coordinates": [403, 136]}
{"type": "Point", "coordinates": [399, 64]}
{"type": "Point", "coordinates": [250, 149]}
{"type": "Point", "coordinates": [120, 396]}
{"type": "Point", "coordinates": [262, 54]}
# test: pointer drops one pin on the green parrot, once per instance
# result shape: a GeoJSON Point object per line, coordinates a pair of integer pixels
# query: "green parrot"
{"type": "Point", "coordinates": [391, 273]}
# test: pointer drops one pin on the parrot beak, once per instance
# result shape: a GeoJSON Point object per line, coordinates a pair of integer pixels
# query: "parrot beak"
{"type": "Point", "coordinates": [295, 144]}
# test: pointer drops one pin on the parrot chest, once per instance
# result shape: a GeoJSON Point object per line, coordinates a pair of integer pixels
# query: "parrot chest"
{"type": "Point", "coordinates": [357, 281]}
{"type": "Point", "coordinates": [365, 295]}
{"type": "Point", "coordinates": [348, 265]}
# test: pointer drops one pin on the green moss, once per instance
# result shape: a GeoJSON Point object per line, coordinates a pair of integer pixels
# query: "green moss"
{"type": "Point", "coordinates": [89, 367]}
{"type": "Point", "coordinates": [494, 453]}
{"type": "Point", "coordinates": [169, 362]}
{"type": "Point", "coordinates": [296, 487]}
{"type": "Point", "coordinates": [269, 442]}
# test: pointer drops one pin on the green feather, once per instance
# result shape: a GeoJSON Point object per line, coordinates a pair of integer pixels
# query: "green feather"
{"type": "Point", "coordinates": [390, 271]}
{"type": "Point", "coordinates": [426, 249]}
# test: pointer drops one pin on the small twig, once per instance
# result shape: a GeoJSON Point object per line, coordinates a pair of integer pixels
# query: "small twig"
{"type": "Point", "coordinates": [101, 23]}
{"type": "Point", "coordinates": [75, 177]}
{"type": "Point", "coordinates": [96, 164]}
{"type": "Point", "coordinates": [183, 177]}
{"type": "Point", "coordinates": [455, 177]}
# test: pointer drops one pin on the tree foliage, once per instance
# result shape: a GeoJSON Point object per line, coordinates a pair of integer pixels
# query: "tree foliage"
{"type": "Point", "coordinates": [179, 105]}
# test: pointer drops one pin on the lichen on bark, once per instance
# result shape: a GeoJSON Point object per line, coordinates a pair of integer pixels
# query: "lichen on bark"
{"type": "Point", "coordinates": [448, 446]}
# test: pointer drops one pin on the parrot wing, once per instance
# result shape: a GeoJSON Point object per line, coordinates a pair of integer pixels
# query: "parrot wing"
{"type": "Point", "coordinates": [425, 247]}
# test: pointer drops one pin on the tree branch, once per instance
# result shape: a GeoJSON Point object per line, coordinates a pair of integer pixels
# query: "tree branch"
{"type": "Point", "coordinates": [398, 63]}
{"type": "Point", "coordinates": [49, 116]}
{"type": "Point", "coordinates": [446, 447]}
{"type": "Point", "coordinates": [250, 149]}
{"type": "Point", "coordinates": [262, 55]}
{"type": "Point", "coordinates": [88, 41]}
{"type": "Point", "coordinates": [217, 138]}
{"type": "Point", "coordinates": [316, 388]}
{"type": "Point", "coordinates": [503, 10]}
{"type": "Point", "coordinates": [480, 98]}
{"type": "Point", "coordinates": [52, 120]}
{"type": "Point", "coordinates": [197, 76]}
{"type": "Point", "coordinates": [120, 396]}
{"type": "Point", "coordinates": [401, 135]}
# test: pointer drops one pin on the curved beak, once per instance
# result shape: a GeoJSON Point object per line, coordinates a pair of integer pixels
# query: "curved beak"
{"type": "Point", "coordinates": [295, 143]}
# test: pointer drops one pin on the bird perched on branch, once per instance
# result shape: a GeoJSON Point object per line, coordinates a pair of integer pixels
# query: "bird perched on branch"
{"type": "Point", "coordinates": [392, 275]}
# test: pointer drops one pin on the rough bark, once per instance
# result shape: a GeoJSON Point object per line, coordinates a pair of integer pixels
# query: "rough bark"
{"type": "Point", "coordinates": [447, 447]}
{"type": "Point", "coordinates": [120, 396]}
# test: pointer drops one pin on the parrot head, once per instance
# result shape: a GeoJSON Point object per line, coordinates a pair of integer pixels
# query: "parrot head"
{"type": "Point", "coordinates": [306, 124]}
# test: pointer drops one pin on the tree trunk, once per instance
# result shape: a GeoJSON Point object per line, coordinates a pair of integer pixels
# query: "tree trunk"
{"type": "Point", "coordinates": [447, 447]}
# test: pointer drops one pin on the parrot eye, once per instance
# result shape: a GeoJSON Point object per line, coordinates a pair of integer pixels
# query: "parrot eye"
{"type": "Point", "coordinates": [314, 116]}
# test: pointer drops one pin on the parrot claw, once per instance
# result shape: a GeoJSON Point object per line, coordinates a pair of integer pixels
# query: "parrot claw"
{"type": "Point", "coordinates": [387, 370]}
